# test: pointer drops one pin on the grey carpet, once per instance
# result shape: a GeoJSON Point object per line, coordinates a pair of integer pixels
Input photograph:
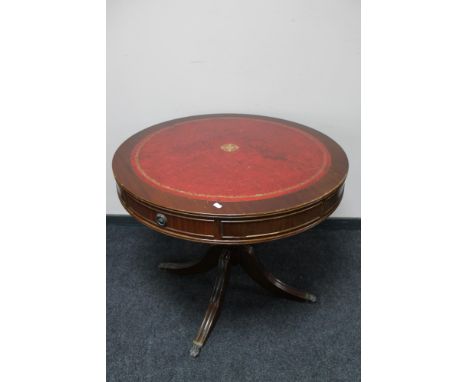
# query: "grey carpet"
{"type": "Point", "coordinates": [152, 315]}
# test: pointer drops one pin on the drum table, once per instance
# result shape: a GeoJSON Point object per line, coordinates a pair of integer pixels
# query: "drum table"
{"type": "Point", "coordinates": [230, 180]}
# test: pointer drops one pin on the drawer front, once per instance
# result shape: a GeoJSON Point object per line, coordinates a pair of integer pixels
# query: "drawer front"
{"type": "Point", "coordinates": [281, 224]}
{"type": "Point", "coordinates": [167, 221]}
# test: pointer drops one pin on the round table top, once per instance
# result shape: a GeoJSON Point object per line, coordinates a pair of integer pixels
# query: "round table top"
{"type": "Point", "coordinates": [229, 164]}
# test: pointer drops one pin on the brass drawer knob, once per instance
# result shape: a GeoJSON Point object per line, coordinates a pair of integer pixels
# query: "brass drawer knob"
{"type": "Point", "coordinates": [161, 220]}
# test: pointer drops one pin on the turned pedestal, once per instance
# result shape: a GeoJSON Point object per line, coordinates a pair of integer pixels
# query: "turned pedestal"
{"type": "Point", "coordinates": [224, 257]}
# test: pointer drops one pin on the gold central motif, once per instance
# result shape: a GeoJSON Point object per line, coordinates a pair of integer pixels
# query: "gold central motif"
{"type": "Point", "coordinates": [229, 147]}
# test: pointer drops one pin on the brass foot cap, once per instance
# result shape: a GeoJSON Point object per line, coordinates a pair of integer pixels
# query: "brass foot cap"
{"type": "Point", "coordinates": [195, 350]}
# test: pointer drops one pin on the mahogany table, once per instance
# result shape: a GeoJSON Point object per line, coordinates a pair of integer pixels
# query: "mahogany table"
{"type": "Point", "coordinates": [230, 180]}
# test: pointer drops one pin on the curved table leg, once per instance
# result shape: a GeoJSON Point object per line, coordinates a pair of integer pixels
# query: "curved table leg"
{"type": "Point", "coordinates": [256, 271]}
{"type": "Point", "coordinates": [208, 262]}
{"type": "Point", "coordinates": [224, 267]}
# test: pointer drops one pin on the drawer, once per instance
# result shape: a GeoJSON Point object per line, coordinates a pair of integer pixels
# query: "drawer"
{"type": "Point", "coordinates": [169, 222]}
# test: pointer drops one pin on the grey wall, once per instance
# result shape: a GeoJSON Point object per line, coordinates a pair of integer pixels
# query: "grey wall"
{"type": "Point", "coordinates": [297, 60]}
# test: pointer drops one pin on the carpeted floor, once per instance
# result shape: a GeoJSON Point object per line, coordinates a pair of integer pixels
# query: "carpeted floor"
{"type": "Point", "coordinates": [152, 315]}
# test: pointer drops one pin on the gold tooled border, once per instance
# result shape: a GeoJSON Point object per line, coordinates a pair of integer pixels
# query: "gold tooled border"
{"type": "Point", "coordinates": [297, 186]}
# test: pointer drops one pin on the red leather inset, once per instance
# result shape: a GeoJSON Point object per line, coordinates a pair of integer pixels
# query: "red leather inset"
{"type": "Point", "coordinates": [230, 159]}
